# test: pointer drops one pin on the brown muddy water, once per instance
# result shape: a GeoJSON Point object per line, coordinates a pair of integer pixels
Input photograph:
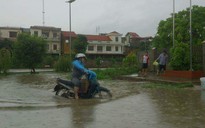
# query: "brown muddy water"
{"type": "Point", "coordinates": [27, 101]}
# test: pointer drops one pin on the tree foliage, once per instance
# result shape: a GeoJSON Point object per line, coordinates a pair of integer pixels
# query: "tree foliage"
{"type": "Point", "coordinates": [180, 57]}
{"type": "Point", "coordinates": [130, 60]}
{"type": "Point", "coordinates": [5, 60]}
{"type": "Point", "coordinates": [29, 50]}
{"type": "Point", "coordinates": [63, 64]}
{"type": "Point", "coordinates": [6, 44]}
{"type": "Point", "coordinates": [164, 36]}
{"type": "Point", "coordinates": [80, 44]}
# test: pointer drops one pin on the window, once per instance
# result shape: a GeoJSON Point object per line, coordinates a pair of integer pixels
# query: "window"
{"type": "Point", "coordinates": [90, 48]}
{"type": "Point", "coordinates": [45, 34]}
{"type": "Point", "coordinates": [116, 48]}
{"type": "Point", "coordinates": [108, 48]}
{"type": "Point", "coordinates": [54, 47]}
{"type": "Point", "coordinates": [35, 33]}
{"type": "Point", "coordinates": [116, 39]}
{"type": "Point", "coordinates": [99, 48]}
{"type": "Point", "coordinates": [55, 35]}
{"type": "Point", "coordinates": [12, 34]}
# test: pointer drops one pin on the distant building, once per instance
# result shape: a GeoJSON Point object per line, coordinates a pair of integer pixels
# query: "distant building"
{"type": "Point", "coordinates": [65, 41]}
{"type": "Point", "coordinates": [134, 41]}
{"type": "Point", "coordinates": [51, 34]}
{"type": "Point", "coordinates": [105, 45]}
{"type": "Point", "coordinates": [10, 32]}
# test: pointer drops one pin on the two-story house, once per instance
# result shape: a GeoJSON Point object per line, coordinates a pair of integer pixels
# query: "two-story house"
{"type": "Point", "coordinates": [51, 34]}
{"type": "Point", "coordinates": [10, 32]}
{"type": "Point", "coordinates": [133, 40]}
{"type": "Point", "coordinates": [105, 45]}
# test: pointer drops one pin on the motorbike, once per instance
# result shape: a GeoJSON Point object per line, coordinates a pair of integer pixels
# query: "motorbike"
{"type": "Point", "coordinates": [65, 88]}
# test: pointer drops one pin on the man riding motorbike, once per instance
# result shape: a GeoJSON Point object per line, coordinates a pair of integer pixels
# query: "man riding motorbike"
{"type": "Point", "coordinates": [78, 71]}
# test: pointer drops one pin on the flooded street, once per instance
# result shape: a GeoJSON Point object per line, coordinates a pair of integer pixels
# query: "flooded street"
{"type": "Point", "coordinates": [27, 101]}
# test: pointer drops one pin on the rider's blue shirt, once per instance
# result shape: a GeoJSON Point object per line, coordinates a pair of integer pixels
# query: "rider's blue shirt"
{"type": "Point", "coordinates": [79, 70]}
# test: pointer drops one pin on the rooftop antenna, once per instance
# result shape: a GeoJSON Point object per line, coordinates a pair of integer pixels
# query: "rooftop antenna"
{"type": "Point", "coordinates": [97, 29]}
{"type": "Point", "coordinates": [43, 14]}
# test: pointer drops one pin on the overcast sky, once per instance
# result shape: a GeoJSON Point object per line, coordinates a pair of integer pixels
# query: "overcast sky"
{"type": "Point", "coordinates": [140, 16]}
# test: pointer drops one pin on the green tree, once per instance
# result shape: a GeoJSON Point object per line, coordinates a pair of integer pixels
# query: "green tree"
{"type": "Point", "coordinates": [5, 60]}
{"type": "Point", "coordinates": [63, 64]}
{"type": "Point", "coordinates": [130, 60]}
{"type": "Point", "coordinates": [98, 61]}
{"type": "Point", "coordinates": [180, 57]}
{"type": "Point", "coordinates": [29, 50]}
{"type": "Point", "coordinates": [80, 44]}
{"type": "Point", "coordinates": [145, 46]}
{"type": "Point", "coordinates": [6, 44]}
{"type": "Point", "coordinates": [164, 34]}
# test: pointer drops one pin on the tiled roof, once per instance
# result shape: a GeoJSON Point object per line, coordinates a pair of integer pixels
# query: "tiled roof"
{"type": "Point", "coordinates": [97, 38]}
{"type": "Point", "coordinates": [133, 35]}
{"type": "Point", "coordinates": [67, 34]}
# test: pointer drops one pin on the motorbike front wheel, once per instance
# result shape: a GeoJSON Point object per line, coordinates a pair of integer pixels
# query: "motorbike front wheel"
{"type": "Point", "coordinates": [102, 93]}
{"type": "Point", "coordinates": [65, 93]}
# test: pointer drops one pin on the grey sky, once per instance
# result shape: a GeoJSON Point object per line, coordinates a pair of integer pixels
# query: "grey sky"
{"type": "Point", "coordinates": [140, 16]}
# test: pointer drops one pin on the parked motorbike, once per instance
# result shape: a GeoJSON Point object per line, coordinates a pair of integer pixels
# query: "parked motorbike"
{"type": "Point", "coordinates": [92, 89]}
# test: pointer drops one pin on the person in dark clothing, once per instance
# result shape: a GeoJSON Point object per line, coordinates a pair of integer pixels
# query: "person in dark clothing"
{"type": "Point", "coordinates": [162, 61]}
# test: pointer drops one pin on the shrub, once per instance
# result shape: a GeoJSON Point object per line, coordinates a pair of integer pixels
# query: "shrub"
{"type": "Point", "coordinates": [49, 60]}
{"type": "Point", "coordinates": [98, 61]}
{"type": "Point", "coordinates": [131, 60]}
{"type": "Point", "coordinates": [111, 73]}
{"type": "Point", "coordinates": [180, 59]}
{"type": "Point", "coordinates": [5, 60]}
{"type": "Point", "coordinates": [63, 64]}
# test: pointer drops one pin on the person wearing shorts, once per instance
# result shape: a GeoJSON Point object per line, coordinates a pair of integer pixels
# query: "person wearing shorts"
{"type": "Point", "coordinates": [145, 61]}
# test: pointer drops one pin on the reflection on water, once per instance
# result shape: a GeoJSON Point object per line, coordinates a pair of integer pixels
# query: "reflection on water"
{"type": "Point", "coordinates": [203, 95]}
{"type": "Point", "coordinates": [27, 101]}
{"type": "Point", "coordinates": [180, 108]}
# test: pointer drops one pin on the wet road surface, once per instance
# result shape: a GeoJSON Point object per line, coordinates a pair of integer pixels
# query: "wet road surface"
{"type": "Point", "coordinates": [27, 101]}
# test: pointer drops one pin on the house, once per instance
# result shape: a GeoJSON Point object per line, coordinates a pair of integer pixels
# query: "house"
{"type": "Point", "coordinates": [52, 35]}
{"type": "Point", "coordinates": [105, 45]}
{"type": "Point", "coordinates": [65, 41]}
{"type": "Point", "coordinates": [10, 32]}
{"type": "Point", "coordinates": [133, 40]}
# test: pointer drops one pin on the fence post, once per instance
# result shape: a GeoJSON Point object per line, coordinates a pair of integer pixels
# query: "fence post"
{"type": "Point", "coordinates": [203, 49]}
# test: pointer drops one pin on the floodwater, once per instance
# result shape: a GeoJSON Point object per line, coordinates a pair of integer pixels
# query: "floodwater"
{"type": "Point", "coordinates": [27, 101]}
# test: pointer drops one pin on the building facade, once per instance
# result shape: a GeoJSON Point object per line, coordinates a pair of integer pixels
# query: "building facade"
{"type": "Point", "coordinates": [10, 32]}
{"type": "Point", "coordinates": [105, 45]}
{"type": "Point", "coordinates": [58, 42]}
{"type": "Point", "coordinates": [51, 34]}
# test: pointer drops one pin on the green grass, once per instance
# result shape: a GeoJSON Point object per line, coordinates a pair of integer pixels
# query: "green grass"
{"type": "Point", "coordinates": [111, 73]}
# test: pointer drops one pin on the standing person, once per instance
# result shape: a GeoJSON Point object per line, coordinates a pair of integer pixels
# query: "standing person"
{"type": "Point", "coordinates": [145, 61]}
{"type": "Point", "coordinates": [162, 61]}
{"type": "Point", "coordinates": [78, 71]}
